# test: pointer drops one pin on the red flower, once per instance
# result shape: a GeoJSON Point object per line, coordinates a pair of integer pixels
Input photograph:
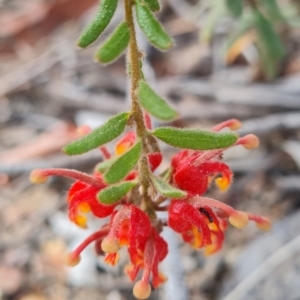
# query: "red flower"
{"type": "Point", "coordinates": [195, 178]}
{"type": "Point", "coordinates": [193, 171]}
{"type": "Point", "coordinates": [82, 195]}
{"type": "Point", "coordinates": [202, 221]}
{"type": "Point", "coordinates": [82, 198]}
{"type": "Point", "coordinates": [131, 226]}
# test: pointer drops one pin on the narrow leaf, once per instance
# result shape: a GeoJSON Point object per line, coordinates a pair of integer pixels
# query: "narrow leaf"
{"type": "Point", "coordinates": [166, 189]}
{"type": "Point", "coordinates": [154, 104]}
{"type": "Point", "coordinates": [235, 7]}
{"type": "Point", "coordinates": [114, 193]}
{"type": "Point", "coordinates": [242, 27]}
{"type": "Point", "coordinates": [124, 164]}
{"type": "Point", "coordinates": [195, 139]}
{"type": "Point", "coordinates": [153, 5]}
{"type": "Point", "coordinates": [218, 9]}
{"type": "Point", "coordinates": [98, 137]}
{"type": "Point", "coordinates": [240, 38]}
{"type": "Point", "coordinates": [113, 47]}
{"type": "Point", "coordinates": [151, 27]}
{"type": "Point", "coordinates": [269, 44]}
{"type": "Point", "coordinates": [105, 12]}
{"type": "Point", "coordinates": [273, 10]}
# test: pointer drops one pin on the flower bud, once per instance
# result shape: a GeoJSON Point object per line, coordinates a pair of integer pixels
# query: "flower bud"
{"type": "Point", "coordinates": [262, 223]}
{"type": "Point", "coordinates": [38, 176]}
{"type": "Point", "coordinates": [249, 141]}
{"type": "Point", "coordinates": [234, 124]}
{"type": "Point", "coordinates": [239, 219]}
{"type": "Point", "coordinates": [72, 259]}
{"type": "Point", "coordinates": [265, 226]}
{"type": "Point", "coordinates": [110, 245]}
{"type": "Point", "coordinates": [142, 290]}
{"type": "Point", "coordinates": [83, 130]}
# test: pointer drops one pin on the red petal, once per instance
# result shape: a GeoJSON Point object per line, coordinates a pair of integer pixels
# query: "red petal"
{"type": "Point", "coordinates": [140, 229]}
{"type": "Point", "coordinates": [88, 195]}
{"type": "Point", "coordinates": [182, 215]}
{"type": "Point", "coordinates": [75, 187]}
{"type": "Point", "coordinates": [155, 160]}
{"type": "Point", "coordinates": [192, 179]}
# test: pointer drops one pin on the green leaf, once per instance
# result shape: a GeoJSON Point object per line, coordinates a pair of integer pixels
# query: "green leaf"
{"type": "Point", "coordinates": [113, 47]}
{"type": "Point", "coordinates": [270, 46]}
{"type": "Point", "coordinates": [154, 104]}
{"type": "Point", "coordinates": [124, 164]}
{"type": "Point", "coordinates": [114, 193]}
{"type": "Point", "coordinates": [105, 12]}
{"type": "Point", "coordinates": [235, 7]}
{"type": "Point", "coordinates": [153, 5]}
{"type": "Point", "coordinates": [103, 166]}
{"type": "Point", "coordinates": [151, 27]}
{"type": "Point", "coordinates": [195, 139]}
{"type": "Point", "coordinates": [273, 11]}
{"type": "Point", "coordinates": [244, 24]}
{"type": "Point", "coordinates": [166, 189]}
{"type": "Point", "coordinates": [99, 136]}
{"type": "Point", "coordinates": [218, 9]}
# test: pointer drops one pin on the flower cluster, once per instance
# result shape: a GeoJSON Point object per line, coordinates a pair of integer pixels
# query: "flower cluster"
{"type": "Point", "coordinates": [132, 221]}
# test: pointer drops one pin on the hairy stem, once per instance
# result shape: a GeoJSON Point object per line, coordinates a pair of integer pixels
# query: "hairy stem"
{"type": "Point", "coordinates": [136, 111]}
{"type": "Point", "coordinates": [134, 60]}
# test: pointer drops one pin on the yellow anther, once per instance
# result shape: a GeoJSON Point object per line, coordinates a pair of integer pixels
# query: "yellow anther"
{"type": "Point", "coordinates": [81, 221]}
{"type": "Point", "coordinates": [197, 240]}
{"type": "Point", "coordinates": [84, 207]}
{"type": "Point", "coordinates": [210, 249]}
{"type": "Point", "coordinates": [222, 183]}
{"type": "Point", "coordinates": [213, 226]}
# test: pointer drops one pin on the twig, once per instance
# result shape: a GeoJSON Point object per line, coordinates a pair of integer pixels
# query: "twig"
{"type": "Point", "coordinates": [265, 125]}
{"type": "Point", "coordinates": [30, 70]}
{"type": "Point", "coordinates": [265, 268]}
{"type": "Point", "coordinates": [78, 97]}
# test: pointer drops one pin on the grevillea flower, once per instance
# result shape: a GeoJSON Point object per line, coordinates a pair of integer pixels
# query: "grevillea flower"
{"type": "Point", "coordinates": [82, 195]}
{"type": "Point", "coordinates": [201, 221]}
{"type": "Point", "coordinates": [132, 227]}
{"type": "Point", "coordinates": [82, 198]}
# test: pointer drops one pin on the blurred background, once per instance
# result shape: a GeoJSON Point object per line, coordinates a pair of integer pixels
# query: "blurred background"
{"type": "Point", "coordinates": [224, 65]}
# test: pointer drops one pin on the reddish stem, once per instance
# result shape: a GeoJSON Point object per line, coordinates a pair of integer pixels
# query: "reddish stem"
{"type": "Point", "coordinates": [93, 237]}
{"type": "Point", "coordinates": [204, 201]}
{"type": "Point", "coordinates": [73, 174]}
{"type": "Point", "coordinates": [105, 152]}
